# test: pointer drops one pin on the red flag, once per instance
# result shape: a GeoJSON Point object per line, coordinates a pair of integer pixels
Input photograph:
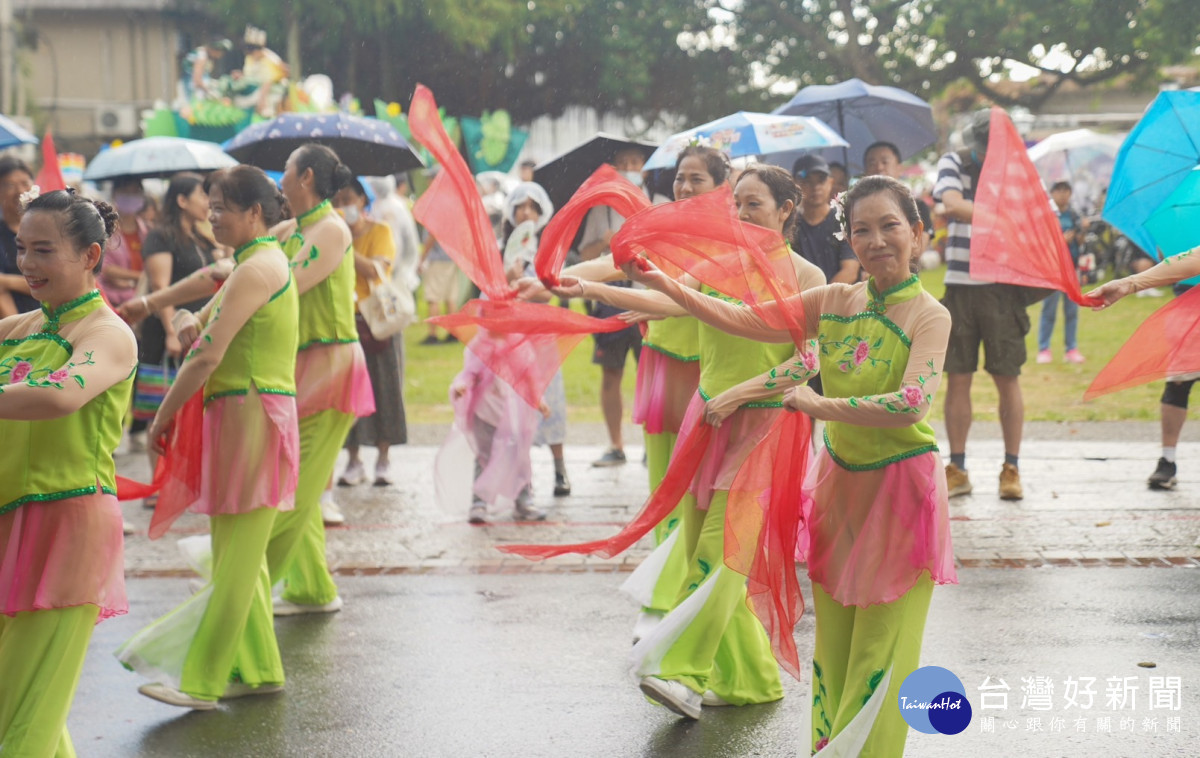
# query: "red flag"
{"type": "Point", "coordinates": [50, 176]}
{"type": "Point", "coordinates": [1162, 347]}
{"type": "Point", "coordinates": [604, 187]}
{"type": "Point", "coordinates": [1015, 236]}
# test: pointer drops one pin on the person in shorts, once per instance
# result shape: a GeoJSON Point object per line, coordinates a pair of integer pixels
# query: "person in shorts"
{"type": "Point", "coordinates": [983, 314]}
{"type": "Point", "coordinates": [439, 279]}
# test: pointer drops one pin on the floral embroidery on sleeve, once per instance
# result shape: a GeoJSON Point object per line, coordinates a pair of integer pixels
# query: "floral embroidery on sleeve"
{"type": "Point", "coordinates": [17, 370]}
{"type": "Point", "coordinates": [313, 254]}
{"type": "Point", "coordinates": [800, 369]}
{"type": "Point", "coordinates": [908, 399]}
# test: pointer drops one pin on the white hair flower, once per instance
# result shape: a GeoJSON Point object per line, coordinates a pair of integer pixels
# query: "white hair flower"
{"type": "Point", "coordinates": [28, 197]}
{"type": "Point", "coordinates": [839, 211]}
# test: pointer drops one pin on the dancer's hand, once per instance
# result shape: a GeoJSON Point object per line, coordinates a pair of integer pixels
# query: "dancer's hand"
{"type": "Point", "coordinates": [221, 268]}
{"type": "Point", "coordinates": [156, 435]}
{"type": "Point", "coordinates": [529, 288]}
{"type": "Point", "coordinates": [720, 408]}
{"type": "Point", "coordinates": [569, 286]}
{"type": "Point", "coordinates": [801, 398]}
{"type": "Point", "coordinates": [134, 310]}
{"type": "Point", "coordinates": [544, 409]}
{"type": "Point", "coordinates": [1111, 292]}
{"type": "Point", "coordinates": [646, 273]}
{"type": "Point", "coordinates": [187, 327]}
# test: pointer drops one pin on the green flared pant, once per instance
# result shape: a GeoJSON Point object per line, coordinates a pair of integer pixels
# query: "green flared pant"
{"type": "Point", "coordinates": [41, 657]}
{"type": "Point", "coordinates": [666, 590]}
{"type": "Point", "coordinates": [725, 648]}
{"type": "Point", "coordinates": [855, 648]}
{"type": "Point", "coordinates": [235, 641]}
{"type": "Point", "coordinates": [296, 553]}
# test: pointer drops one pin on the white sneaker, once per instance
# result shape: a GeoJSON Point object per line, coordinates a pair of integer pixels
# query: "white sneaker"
{"type": "Point", "coordinates": [331, 514]}
{"type": "Point", "coordinates": [353, 475]}
{"type": "Point", "coordinates": [382, 478]}
{"type": "Point", "coordinates": [171, 696]}
{"type": "Point", "coordinates": [711, 699]}
{"type": "Point", "coordinates": [128, 528]}
{"type": "Point", "coordinates": [239, 689]}
{"type": "Point", "coordinates": [675, 696]}
{"type": "Point", "coordinates": [288, 608]}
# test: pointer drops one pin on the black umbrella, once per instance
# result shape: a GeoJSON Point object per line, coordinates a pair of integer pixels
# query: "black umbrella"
{"type": "Point", "coordinates": [562, 176]}
{"type": "Point", "coordinates": [370, 147]}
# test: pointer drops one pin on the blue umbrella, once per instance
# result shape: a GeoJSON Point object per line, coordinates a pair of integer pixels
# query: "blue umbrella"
{"type": "Point", "coordinates": [866, 113]}
{"type": "Point", "coordinates": [1156, 157]}
{"type": "Point", "coordinates": [1175, 226]}
{"type": "Point", "coordinates": [367, 145]}
{"type": "Point", "coordinates": [745, 134]}
{"type": "Point", "coordinates": [12, 133]}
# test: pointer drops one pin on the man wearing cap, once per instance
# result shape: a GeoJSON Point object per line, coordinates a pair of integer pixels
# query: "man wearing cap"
{"type": "Point", "coordinates": [980, 313]}
{"type": "Point", "coordinates": [817, 225]}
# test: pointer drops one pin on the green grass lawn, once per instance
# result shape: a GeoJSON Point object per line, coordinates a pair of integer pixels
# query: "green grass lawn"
{"type": "Point", "coordinates": [1053, 392]}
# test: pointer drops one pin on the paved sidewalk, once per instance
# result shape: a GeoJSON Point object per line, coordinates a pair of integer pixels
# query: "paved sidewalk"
{"type": "Point", "coordinates": [1086, 504]}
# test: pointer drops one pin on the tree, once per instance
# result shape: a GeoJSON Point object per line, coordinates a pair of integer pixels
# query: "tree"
{"type": "Point", "coordinates": [923, 45]}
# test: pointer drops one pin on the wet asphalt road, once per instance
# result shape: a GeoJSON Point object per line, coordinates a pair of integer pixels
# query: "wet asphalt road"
{"type": "Point", "coordinates": [533, 665]}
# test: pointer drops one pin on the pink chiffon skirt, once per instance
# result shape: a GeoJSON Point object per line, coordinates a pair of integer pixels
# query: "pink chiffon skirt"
{"type": "Point", "coordinates": [664, 387]}
{"type": "Point", "coordinates": [334, 377]}
{"type": "Point", "coordinates": [731, 444]}
{"type": "Point", "coordinates": [251, 454]}
{"type": "Point", "coordinates": [61, 554]}
{"type": "Point", "coordinates": [871, 534]}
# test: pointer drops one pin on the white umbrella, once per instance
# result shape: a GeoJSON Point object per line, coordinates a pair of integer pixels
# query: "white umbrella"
{"type": "Point", "coordinates": [157, 156]}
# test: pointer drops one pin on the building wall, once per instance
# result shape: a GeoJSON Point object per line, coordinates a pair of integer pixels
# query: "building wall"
{"type": "Point", "coordinates": [87, 59]}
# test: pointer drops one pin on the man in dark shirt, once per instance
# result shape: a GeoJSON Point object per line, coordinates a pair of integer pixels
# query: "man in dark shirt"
{"type": "Point", "coordinates": [817, 224]}
{"type": "Point", "coordinates": [15, 179]}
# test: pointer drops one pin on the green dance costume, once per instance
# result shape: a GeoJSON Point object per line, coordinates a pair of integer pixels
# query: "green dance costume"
{"type": "Point", "coordinates": [61, 559]}
{"type": "Point", "coordinates": [225, 633]}
{"type": "Point", "coordinates": [333, 389]}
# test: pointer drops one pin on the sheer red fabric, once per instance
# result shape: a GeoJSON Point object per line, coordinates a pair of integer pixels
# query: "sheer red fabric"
{"type": "Point", "coordinates": [604, 187]}
{"type": "Point", "coordinates": [177, 474]}
{"type": "Point", "coordinates": [703, 237]}
{"type": "Point", "coordinates": [1163, 346]}
{"type": "Point", "coordinates": [1015, 235]}
{"type": "Point", "coordinates": [453, 212]}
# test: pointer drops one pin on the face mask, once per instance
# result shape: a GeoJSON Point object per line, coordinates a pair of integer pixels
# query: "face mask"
{"type": "Point", "coordinates": [350, 213]}
{"type": "Point", "coordinates": [128, 205]}
{"type": "Point", "coordinates": [633, 176]}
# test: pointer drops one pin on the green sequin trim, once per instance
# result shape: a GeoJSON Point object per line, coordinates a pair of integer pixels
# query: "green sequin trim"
{"type": "Point", "coordinates": [314, 214]}
{"type": "Point", "coordinates": [877, 464]}
{"type": "Point", "coordinates": [869, 314]}
{"type": "Point", "coordinates": [756, 404]}
{"type": "Point", "coordinates": [894, 288]}
{"type": "Point", "coordinates": [40, 336]}
{"type": "Point", "coordinates": [325, 341]}
{"type": "Point", "coordinates": [253, 243]}
{"type": "Point", "coordinates": [224, 393]}
{"type": "Point", "coordinates": [669, 354]}
{"type": "Point", "coordinates": [53, 496]}
{"type": "Point", "coordinates": [286, 393]}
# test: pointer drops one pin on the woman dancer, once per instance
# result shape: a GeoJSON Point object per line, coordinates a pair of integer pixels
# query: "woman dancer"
{"type": "Point", "coordinates": [65, 382]}
{"type": "Point", "coordinates": [710, 648]}
{"type": "Point", "coordinates": [875, 503]}
{"type": "Point", "coordinates": [176, 249]}
{"type": "Point", "coordinates": [221, 642]}
{"type": "Point", "coordinates": [332, 386]}
{"type": "Point", "coordinates": [374, 255]}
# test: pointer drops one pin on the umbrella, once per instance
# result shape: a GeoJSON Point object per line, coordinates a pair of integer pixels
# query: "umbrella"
{"type": "Point", "coordinates": [156, 156]}
{"type": "Point", "coordinates": [1156, 157]}
{"type": "Point", "coordinates": [563, 175]}
{"type": "Point", "coordinates": [1082, 156]}
{"type": "Point", "coordinates": [866, 113]}
{"type": "Point", "coordinates": [745, 134]}
{"type": "Point", "coordinates": [12, 133]}
{"type": "Point", "coordinates": [367, 145]}
{"type": "Point", "coordinates": [1175, 226]}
